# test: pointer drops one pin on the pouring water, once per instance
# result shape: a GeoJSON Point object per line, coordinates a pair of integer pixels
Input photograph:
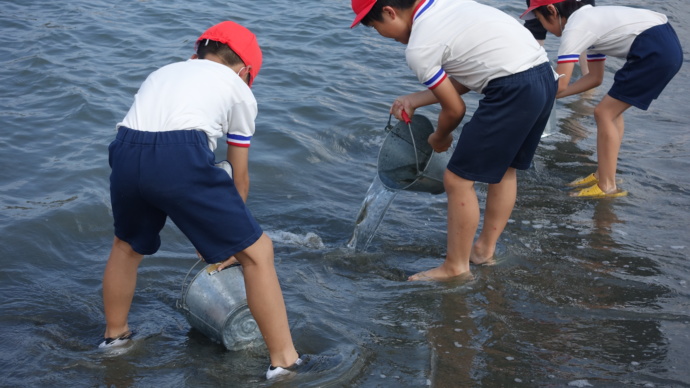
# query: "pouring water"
{"type": "Point", "coordinates": [406, 161]}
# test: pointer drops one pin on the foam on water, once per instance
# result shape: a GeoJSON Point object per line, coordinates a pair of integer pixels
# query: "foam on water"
{"type": "Point", "coordinates": [309, 240]}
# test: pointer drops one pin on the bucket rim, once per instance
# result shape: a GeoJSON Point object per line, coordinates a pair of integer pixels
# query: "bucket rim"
{"type": "Point", "coordinates": [423, 123]}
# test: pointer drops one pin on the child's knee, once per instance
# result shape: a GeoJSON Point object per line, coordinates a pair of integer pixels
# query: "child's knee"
{"type": "Point", "coordinates": [599, 112]}
{"type": "Point", "coordinates": [454, 183]}
{"type": "Point", "coordinates": [259, 253]}
{"type": "Point", "coordinates": [123, 247]}
{"type": "Point", "coordinates": [265, 242]}
{"type": "Point", "coordinates": [603, 114]}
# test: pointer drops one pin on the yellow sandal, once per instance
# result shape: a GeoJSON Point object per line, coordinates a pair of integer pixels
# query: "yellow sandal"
{"type": "Point", "coordinates": [595, 191]}
{"type": "Point", "coordinates": [586, 181]}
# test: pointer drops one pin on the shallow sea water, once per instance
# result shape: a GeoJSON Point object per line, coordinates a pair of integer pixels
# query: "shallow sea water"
{"type": "Point", "coordinates": [584, 293]}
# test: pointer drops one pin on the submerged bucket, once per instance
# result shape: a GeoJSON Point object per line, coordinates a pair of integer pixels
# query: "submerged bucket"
{"type": "Point", "coordinates": [407, 161]}
{"type": "Point", "coordinates": [215, 303]}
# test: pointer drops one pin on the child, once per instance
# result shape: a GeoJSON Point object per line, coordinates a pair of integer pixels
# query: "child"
{"type": "Point", "coordinates": [454, 47]}
{"type": "Point", "coordinates": [653, 54]}
{"type": "Point", "coordinates": [539, 33]}
{"type": "Point", "coordinates": [163, 165]}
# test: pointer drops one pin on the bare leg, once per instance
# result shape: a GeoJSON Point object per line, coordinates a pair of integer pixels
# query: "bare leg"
{"type": "Point", "coordinates": [500, 201]}
{"type": "Point", "coordinates": [119, 282]}
{"type": "Point", "coordinates": [265, 300]}
{"type": "Point", "coordinates": [463, 219]}
{"type": "Point", "coordinates": [610, 130]}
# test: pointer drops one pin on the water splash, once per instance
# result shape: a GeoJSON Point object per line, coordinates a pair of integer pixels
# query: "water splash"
{"type": "Point", "coordinates": [370, 215]}
{"type": "Point", "coordinates": [309, 240]}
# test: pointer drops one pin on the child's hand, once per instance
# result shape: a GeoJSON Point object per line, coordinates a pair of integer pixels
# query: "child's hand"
{"type": "Point", "coordinates": [399, 104]}
{"type": "Point", "coordinates": [232, 260]}
{"type": "Point", "coordinates": [440, 142]}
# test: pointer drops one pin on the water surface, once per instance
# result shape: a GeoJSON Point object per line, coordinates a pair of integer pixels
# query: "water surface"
{"type": "Point", "coordinates": [583, 292]}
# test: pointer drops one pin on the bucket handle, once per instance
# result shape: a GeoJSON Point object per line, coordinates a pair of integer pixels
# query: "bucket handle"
{"type": "Point", "coordinates": [181, 302]}
{"type": "Point", "coordinates": [408, 121]}
{"type": "Point", "coordinates": [211, 270]}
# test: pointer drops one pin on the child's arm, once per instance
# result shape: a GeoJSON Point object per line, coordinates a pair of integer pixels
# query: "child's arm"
{"type": "Point", "coordinates": [589, 81]}
{"type": "Point", "coordinates": [448, 94]}
{"type": "Point", "coordinates": [239, 159]}
{"type": "Point", "coordinates": [412, 101]}
{"type": "Point", "coordinates": [415, 100]}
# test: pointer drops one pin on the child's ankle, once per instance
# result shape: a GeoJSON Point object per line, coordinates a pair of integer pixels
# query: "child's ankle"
{"type": "Point", "coordinates": [285, 360]}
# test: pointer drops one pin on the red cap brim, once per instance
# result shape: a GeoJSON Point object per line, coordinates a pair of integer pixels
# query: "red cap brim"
{"type": "Point", "coordinates": [528, 15]}
{"type": "Point", "coordinates": [362, 14]}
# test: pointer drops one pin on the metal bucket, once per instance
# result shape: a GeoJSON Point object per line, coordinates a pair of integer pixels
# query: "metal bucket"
{"type": "Point", "coordinates": [406, 160]}
{"type": "Point", "coordinates": [215, 303]}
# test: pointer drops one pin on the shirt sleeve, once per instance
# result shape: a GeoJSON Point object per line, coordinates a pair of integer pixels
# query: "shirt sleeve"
{"type": "Point", "coordinates": [576, 41]}
{"type": "Point", "coordinates": [241, 124]}
{"type": "Point", "coordinates": [426, 63]}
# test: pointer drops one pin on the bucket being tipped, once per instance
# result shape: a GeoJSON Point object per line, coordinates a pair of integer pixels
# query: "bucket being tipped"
{"type": "Point", "coordinates": [215, 303]}
{"type": "Point", "coordinates": [406, 160]}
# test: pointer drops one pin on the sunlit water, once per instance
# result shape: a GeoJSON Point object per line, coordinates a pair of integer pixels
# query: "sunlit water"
{"type": "Point", "coordinates": [583, 292]}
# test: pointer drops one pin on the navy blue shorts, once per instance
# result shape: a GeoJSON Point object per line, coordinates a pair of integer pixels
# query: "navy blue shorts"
{"type": "Point", "coordinates": [534, 26]}
{"type": "Point", "coordinates": [655, 58]}
{"type": "Point", "coordinates": [156, 175]}
{"type": "Point", "coordinates": [507, 126]}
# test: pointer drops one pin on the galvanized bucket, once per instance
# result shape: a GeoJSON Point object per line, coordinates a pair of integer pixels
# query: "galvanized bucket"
{"type": "Point", "coordinates": [215, 303]}
{"type": "Point", "coordinates": [406, 160]}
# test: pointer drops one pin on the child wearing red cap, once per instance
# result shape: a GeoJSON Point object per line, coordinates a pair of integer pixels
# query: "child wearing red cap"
{"type": "Point", "coordinates": [654, 56]}
{"type": "Point", "coordinates": [539, 33]}
{"type": "Point", "coordinates": [455, 47]}
{"type": "Point", "coordinates": [162, 164]}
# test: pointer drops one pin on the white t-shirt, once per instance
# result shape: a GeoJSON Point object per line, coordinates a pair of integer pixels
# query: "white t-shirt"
{"type": "Point", "coordinates": [196, 94]}
{"type": "Point", "coordinates": [605, 30]}
{"type": "Point", "coordinates": [471, 42]}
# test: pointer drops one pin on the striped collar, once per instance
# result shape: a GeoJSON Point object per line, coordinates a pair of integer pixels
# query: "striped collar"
{"type": "Point", "coordinates": [422, 7]}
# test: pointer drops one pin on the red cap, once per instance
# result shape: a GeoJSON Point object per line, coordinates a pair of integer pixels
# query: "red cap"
{"type": "Point", "coordinates": [240, 40]}
{"type": "Point", "coordinates": [534, 4]}
{"type": "Point", "coordinates": [361, 8]}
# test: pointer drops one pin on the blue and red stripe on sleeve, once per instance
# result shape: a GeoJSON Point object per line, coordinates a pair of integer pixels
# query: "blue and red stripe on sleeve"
{"type": "Point", "coordinates": [570, 58]}
{"type": "Point", "coordinates": [596, 57]}
{"type": "Point", "coordinates": [239, 141]}
{"type": "Point", "coordinates": [436, 80]}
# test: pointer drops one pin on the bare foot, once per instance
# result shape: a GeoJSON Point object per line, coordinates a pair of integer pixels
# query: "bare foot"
{"type": "Point", "coordinates": [482, 260]}
{"type": "Point", "coordinates": [481, 257]}
{"type": "Point", "coordinates": [436, 274]}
